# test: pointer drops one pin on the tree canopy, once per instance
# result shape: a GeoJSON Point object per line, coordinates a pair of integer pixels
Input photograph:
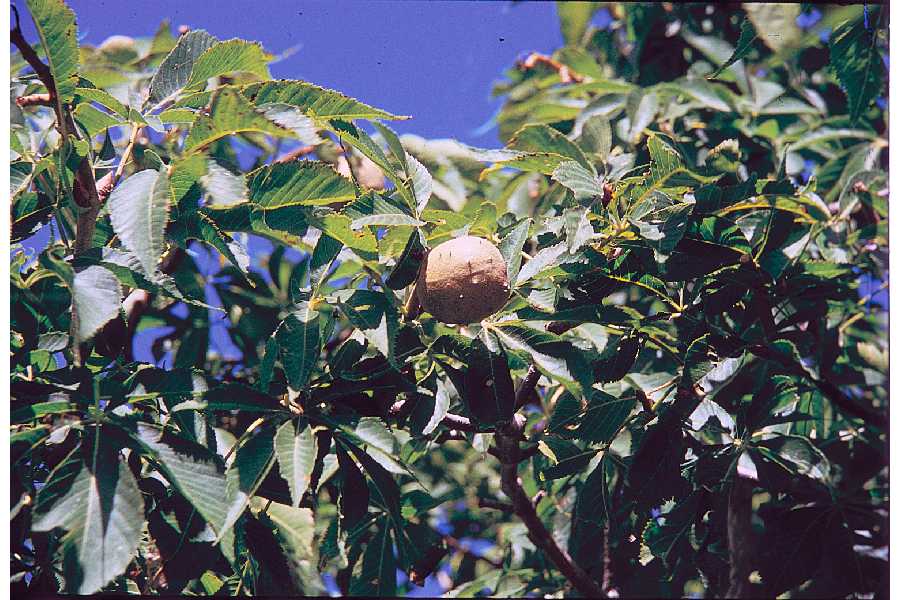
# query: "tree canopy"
{"type": "Point", "coordinates": [684, 394]}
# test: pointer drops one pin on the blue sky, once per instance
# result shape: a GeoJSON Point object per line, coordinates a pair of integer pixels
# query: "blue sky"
{"type": "Point", "coordinates": [435, 61]}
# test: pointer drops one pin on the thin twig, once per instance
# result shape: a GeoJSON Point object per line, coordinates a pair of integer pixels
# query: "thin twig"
{"type": "Point", "coordinates": [295, 154]}
{"type": "Point", "coordinates": [495, 504]}
{"type": "Point", "coordinates": [41, 99]}
{"type": "Point", "coordinates": [526, 388]}
{"type": "Point", "coordinates": [566, 75]}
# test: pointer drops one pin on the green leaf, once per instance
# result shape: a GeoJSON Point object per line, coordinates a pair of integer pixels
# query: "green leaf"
{"type": "Point", "coordinates": [574, 18]}
{"type": "Point", "coordinates": [565, 457]}
{"type": "Point", "coordinates": [174, 72]}
{"type": "Point", "coordinates": [667, 166]}
{"type": "Point", "coordinates": [229, 113]}
{"type": "Point", "coordinates": [385, 492]}
{"type": "Point", "coordinates": [231, 56]}
{"type": "Point", "coordinates": [295, 531]}
{"type": "Point", "coordinates": [798, 455]}
{"type": "Point", "coordinates": [353, 504]}
{"type": "Point", "coordinates": [139, 211]}
{"type": "Point", "coordinates": [617, 359]}
{"type": "Point", "coordinates": [298, 183]}
{"type": "Point", "coordinates": [597, 422]}
{"type": "Point", "coordinates": [668, 538]}
{"type": "Point", "coordinates": [96, 299]}
{"type": "Point", "coordinates": [223, 188]}
{"type": "Point", "coordinates": [378, 576]}
{"type": "Point", "coordinates": [543, 138]}
{"type": "Point", "coordinates": [553, 356]}
{"type": "Point", "coordinates": [856, 61]}
{"type": "Point", "coordinates": [596, 136]}
{"type": "Point", "coordinates": [584, 183]}
{"type": "Point", "coordinates": [641, 108]}
{"type": "Point", "coordinates": [93, 120]}
{"type": "Point", "coordinates": [441, 406]}
{"type": "Point", "coordinates": [592, 507]}
{"type": "Point", "coordinates": [197, 473]}
{"type": "Point", "coordinates": [295, 447]}
{"type": "Point", "coordinates": [252, 463]}
{"type": "Point", "coordinates": [664, 226]}
{"type": "Point", "coordinates": [55, 23]}
{"type": "Point", "coordinates": [316, 102]}
{"type": "Point", "coordinates": [407, 268]}
{"type": "Point", "coordinates": [291, 117]}
{"type": "Point", "coordinates": [744, 45]}
{"type": "Point", "coordinates": [544, 259]}
{"type": "Point", "coordinates": [300, 342]}
{"type": "Point", "coordinates": [97, 502]}
{"type": "Point", "coordinates": [776, 24]}
{"type": "Point", "coordinates": [511, 247]}
{"type": "Point", "coordinates": [19, 176]}
{"type": "Point", "coordinates": [373, 314]}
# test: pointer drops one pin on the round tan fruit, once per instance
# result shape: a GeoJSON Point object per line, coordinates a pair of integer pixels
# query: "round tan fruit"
{"type": "Point", "coordinates": [367, 172]}
{"type": "Point", "coordinates": [463, 280]}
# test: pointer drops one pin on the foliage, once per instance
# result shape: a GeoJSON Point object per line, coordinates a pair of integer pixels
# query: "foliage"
{"type": "Point", "coordinates": [685, 393]}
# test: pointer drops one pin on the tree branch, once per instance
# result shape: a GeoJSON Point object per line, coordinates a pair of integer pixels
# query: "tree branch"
{"type": "Point", "coordinates": [507, 439]}
{"type": "Point", "coordinates": [740, 538]}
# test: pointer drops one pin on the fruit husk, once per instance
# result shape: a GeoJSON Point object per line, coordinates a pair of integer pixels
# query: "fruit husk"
{"type": "Point", "coordinates": [463, 280]}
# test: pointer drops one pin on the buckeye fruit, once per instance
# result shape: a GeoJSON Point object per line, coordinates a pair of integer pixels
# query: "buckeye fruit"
{"type": "Point", "coordinates": [463, 280]}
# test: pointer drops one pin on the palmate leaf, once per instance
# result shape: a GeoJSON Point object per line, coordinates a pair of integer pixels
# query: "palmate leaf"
{"type": "Point", "coordinates": [353, 503]}
{"type": "Point", "coordinates": [295, 447]}
{"type": "Point", "coordinates": [744, 45]}
{"type": "Point", "coordinates": [229, 113]}
{"type": "Point", "coordinates": [543, 138]}
{"type": "Point", "coordinates": [55, 23]}
{"type": "Point", "coordinates": [574, 18]}
{"type": "Point", "coordinates": [511, 247]}
{"type": "Point", "coordinates": [669, 539]}
{"type": "Point", "coordinates": [295, 532]}
{"type": "Point", "coordinates": [378, 576]}
{"type": "Point", "coordinates": [291, 117]}
{"type": "Point", "coordinates": [316, 102]}
{"type": "Point", "coordinates": [231, 56]}
{"type": "Point", "coordinates": [584, 183]}
{"type": "Point", "coordinates": [298, 183]}
{"type": "Point", "coordinates": [139, 210]}
{"type": "Point", "coordinates": [379, 443]}
{"type": "Point", "coordinates": [598, 421]}
{"type": "Point", "coordinates": [94, 121]}
{"type": "Point", "coordinates": [299, 342]}
{"type": "Point", "coordinates": [564, 457]}
{"type": "Point", "coordinates": [856, 61]}
{"type": "Point", "coordinates": [95, 498]}
{"type": "Point", "coordinates": [96, 299]}
{"type": "Point", "coordinates": [223, 188]}
{"type": "Point", "coordinates": [196, 472]}
{"type": "Point", "coordinates": [373, 314]}
{"type": "Point", "coordinates": [663, 226]}
{"type": "Point", "coordinates": [252, 462]}
{"type": "Point", "coordinates": [175, 71]}
{"type": "Point", "coordinates": [385, 491]}
{"type": "Point", "coordinates": [592, 506]}
{"type": "Point", "coordinates": [556, 358]}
